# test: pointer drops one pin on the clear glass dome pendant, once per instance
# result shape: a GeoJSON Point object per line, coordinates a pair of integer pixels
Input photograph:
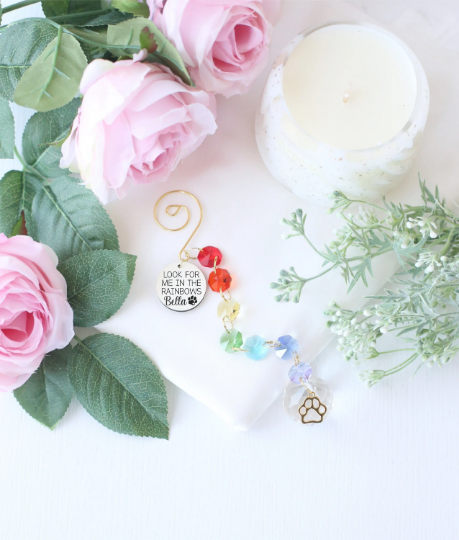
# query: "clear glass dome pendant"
{"type": "Point", "coordinates": [308, 402]}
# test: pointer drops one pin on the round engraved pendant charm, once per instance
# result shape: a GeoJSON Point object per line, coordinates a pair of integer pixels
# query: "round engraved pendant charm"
{"type": "Point", "coordinates": [181, 286]}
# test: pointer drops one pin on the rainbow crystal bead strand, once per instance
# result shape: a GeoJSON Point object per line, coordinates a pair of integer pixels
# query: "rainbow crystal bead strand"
{"type": "Point", "coordinates": [307, 400]}
{"type": "Point", "coordinates": [255, 347]}
{"type": "Point", "coordinates": [302, 399]}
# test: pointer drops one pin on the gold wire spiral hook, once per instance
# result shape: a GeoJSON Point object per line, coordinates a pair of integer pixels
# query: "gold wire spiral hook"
{"type": "Point", "coordinates": [172, 210]}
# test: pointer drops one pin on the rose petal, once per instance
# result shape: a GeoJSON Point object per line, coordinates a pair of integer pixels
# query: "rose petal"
{"type": "Point", "coordinates": [35, 316]}
{"type": "Point", "coordinates": [136, 122]}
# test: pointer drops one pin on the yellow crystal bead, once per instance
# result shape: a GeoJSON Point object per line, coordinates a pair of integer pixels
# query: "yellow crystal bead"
{"type": "Point", "coordinates": [228, 309]}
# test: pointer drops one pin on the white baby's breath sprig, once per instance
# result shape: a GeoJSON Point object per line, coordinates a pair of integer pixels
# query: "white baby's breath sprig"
{"type": "Point", "coordinates": [423, 312]}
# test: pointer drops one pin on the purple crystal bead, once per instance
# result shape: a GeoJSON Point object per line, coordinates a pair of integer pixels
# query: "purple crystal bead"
{"type": "Point", "coordinates": [300, 371]}
{"type": "Point", "coordinates": [287, 347]}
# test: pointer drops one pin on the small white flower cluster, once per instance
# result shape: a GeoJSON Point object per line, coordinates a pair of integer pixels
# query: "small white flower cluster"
{"type": "Point", "coordinates": [405, 238]}
{"type": "Point", "coordinates": [372, 376]}
{"type": "Point", "coordinates": [357, 337]}
{"type": "Point", "coordinates": [450, 270]}
{"type": "Point", "coordinates": [423, 311]}
{"type": "Point", "coordinates": [416, 226]}
{"type": "Point", "coordinates": [365, 217]}
{"type": "Point", "coordinates": [430, 260]}
{"type": "Point", "coordinates": [425, 225]}
{"type": "Point", "coordinates": [344, 235]}
{"type": "Point", "coordinates": [436, 351]}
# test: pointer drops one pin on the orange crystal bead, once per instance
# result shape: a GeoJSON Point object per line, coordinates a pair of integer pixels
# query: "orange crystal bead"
{"type": "Point", "coordinates": [219, 280]}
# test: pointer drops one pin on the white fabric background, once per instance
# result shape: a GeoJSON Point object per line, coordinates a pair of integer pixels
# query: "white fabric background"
{"type": "Point", "coordinates": [242, 207]}
{"type": "Point", "coordinates": [384, 465]}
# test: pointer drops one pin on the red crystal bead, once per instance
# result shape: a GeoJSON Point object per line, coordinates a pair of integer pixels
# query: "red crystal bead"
{"type": "Point", "coordinates": [220, 280]}
{"type": "Point", "coordinates": [207, 256]}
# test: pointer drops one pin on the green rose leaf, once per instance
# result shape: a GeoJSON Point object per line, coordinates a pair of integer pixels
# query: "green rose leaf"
{"type": "Point", "coordinates": [54, 78]}
{"type": "Point", "coordinates": [128, 33]}
{"type": "Point", "coordinates": [98, 38]}
{"type": "Point", "coordinates": [98, 41]}
{"type": "Point", "coordinates": [6, 131]}
{"type": "Point", "coordinates": [20, 227]}
{"type": "Point", "coordinates": [147, 41]}
{"type": "Point", "coordinates": [98, 283]}
{"type": "Point", "coordinates": [72, 11]}
{"type": "Point", "coordinates": [83, 12]}
{"type": "Point", "coordinates": [119, 386]}
{"type": "Point", "coordinates": [47, 394]}
{"type": "Point", "coordinates": [21, 43]}
{"type": "Point", "coordinates": [112, 17]}
{"type": "Point", "coordinates": [42, 136]}
{"type": "Point", "coordinates": [91, 52]}
{"type": "Point", "coordinates": [17, 190]}
{"type": "Point", "coordinates": [69, 218]}
{"type": "Point", "coordinates": [132, 6]}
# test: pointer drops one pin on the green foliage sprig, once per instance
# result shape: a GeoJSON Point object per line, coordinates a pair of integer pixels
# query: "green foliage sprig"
{"type": "Point", "coordinates": [422, 310]}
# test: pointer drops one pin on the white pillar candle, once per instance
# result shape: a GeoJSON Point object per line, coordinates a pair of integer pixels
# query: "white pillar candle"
{"type": "Point", "coordinates": [343, 108]}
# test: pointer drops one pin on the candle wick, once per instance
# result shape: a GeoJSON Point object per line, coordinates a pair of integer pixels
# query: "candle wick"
{"type": "Point", "coordinates": [347, 94]}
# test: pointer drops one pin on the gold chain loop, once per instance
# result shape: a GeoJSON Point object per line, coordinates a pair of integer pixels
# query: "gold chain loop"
{"type": "Point", "coordinates": [271, 344]}
{"type": "Point", "coordinates": [227, 322]}
{"type": "Point", "coordinates": [224, 297]}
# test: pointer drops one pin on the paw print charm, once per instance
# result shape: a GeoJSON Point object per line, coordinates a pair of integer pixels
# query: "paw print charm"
{"type": "Point", "coordinates": [312, 411]}
{"type": "Point", "coordinates": [192, 300]}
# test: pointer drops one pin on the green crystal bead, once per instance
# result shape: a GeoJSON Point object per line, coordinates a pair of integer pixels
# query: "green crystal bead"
{"type": "Point", "coordinates": [231, 339]}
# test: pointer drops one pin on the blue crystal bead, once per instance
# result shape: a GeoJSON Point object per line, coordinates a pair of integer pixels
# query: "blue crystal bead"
{"type": "Point", "coordinates": [255, 349]}
{"type": "Point", "coordinates": [287, 347]}
{"type": "Point", "coordinates": [300, 371]}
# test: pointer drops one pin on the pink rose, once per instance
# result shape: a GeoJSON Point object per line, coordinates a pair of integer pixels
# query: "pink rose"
{"type": "Point", "coordinates": [136, 122]}
{"type": "Point", "coordinates": [225, 42]}
{"type": "Point", "coordinates": [35, 317]}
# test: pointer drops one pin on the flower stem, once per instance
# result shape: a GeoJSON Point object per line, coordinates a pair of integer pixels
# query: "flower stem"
{"type": "Point", "coordinates": [401, 366]}
{"type": "Point", "coordinates": [56, 54]}
{"type": "Point", "coordinates": [76, 338]}
{"type": "Point", "coordinates": [445, 250]}
{"type": "Point", "coordinates": [70, 16]}
{"type": "Point", "coordinates": [29, 168]}
{"type": "Point", "coordinates": [311, 244]}
{"type": "Point", "coordinates": [78, 37]}
{"type": "Point", "coordinates": [395, 350]}
{"type": "Point", "coordinates": [19, 5]}
{"type": "Point", "coordinates": [329, 269]}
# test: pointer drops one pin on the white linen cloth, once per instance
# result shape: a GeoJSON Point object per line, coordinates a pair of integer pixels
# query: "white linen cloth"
{"type": "Point", "coordinates": [242, 206]}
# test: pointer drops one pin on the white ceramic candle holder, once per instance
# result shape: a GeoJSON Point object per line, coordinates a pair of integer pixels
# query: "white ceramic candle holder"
{"type": "Point", "coordinates": [312, 169]}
